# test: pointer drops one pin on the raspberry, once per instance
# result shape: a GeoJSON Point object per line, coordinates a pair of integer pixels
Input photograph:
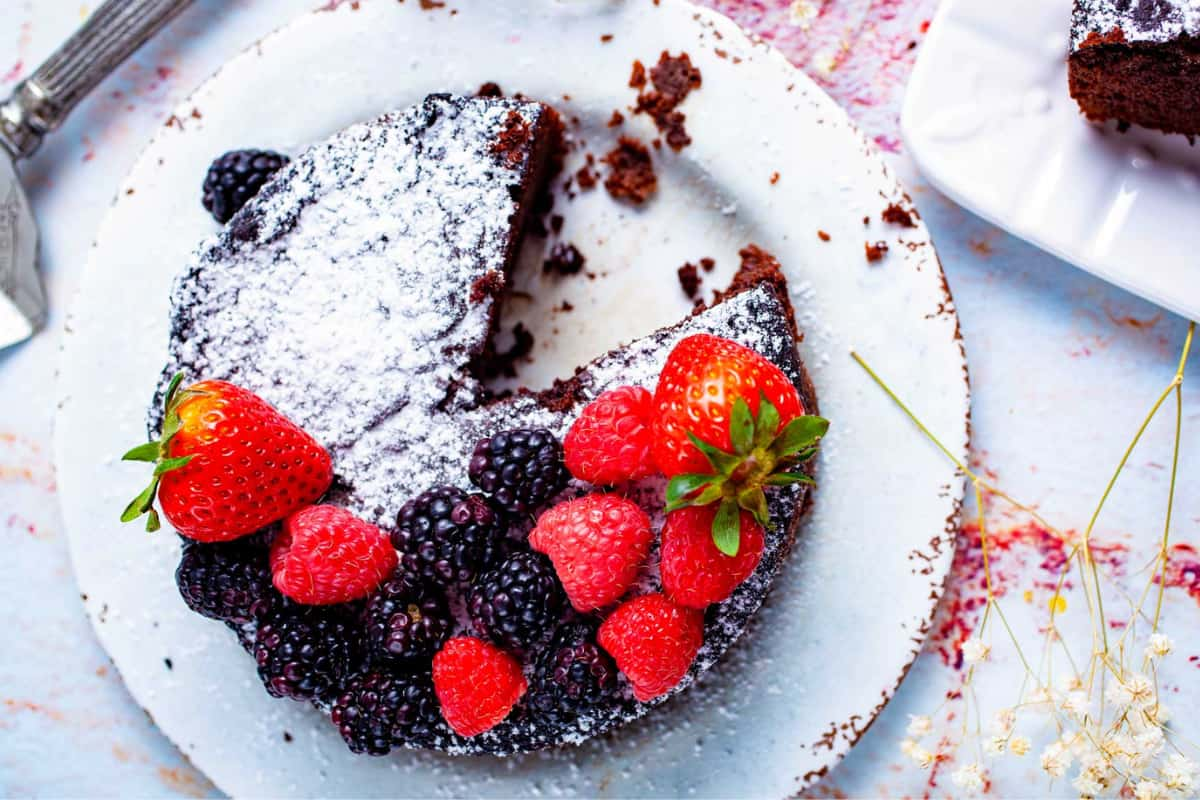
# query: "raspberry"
{"type": "Point", "coordinates": [654, 642]}
{"type": "Point", "coordinates": [445, 535]}
{"type": "Point", "coordinates": [404, 620]}
{"type": "Point", "coordinates": [235, 177]}
{"type": "Point", "coordinates": [379, 710]}
{"type": "Point", "coordinates": [520, 469]}
{"type": "Point", "coordinates": [694, 572]}
{"type": "Point", "coordinates": [477, 684]}
{"type": "Point", "coordinates": [518, 601]}
{"type": "Point", "coordinates": [306, 653]}
{"type": "Point", "coordinates": [597, 544]}
{"type": "Point", "coordinates": [228, 582]}
{"type": "Point", "coordinates": [611, 441]}
{"type": "Point", "coordinates": [325, 554]}
{"type": "Point", "coordinates": [572, 675]}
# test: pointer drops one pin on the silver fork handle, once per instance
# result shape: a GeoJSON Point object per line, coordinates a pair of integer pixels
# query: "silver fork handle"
{"type": "Point", "coordinates": [42, 101]}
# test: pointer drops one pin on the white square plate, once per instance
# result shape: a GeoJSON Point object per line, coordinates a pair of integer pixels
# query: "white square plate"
{"type": "Point", "coordinates": [990, 122]}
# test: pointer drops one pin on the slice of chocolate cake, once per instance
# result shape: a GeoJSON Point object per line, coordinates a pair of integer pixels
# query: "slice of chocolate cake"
{"type": "Point", "coordinates": [1137, 61]}
{"type": "Point", "coordinates": [357, 289]}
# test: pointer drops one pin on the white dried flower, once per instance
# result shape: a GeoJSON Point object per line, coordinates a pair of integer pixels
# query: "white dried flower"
{"type": "Point", "coordinates": [1056, 758]}
{"type": "Point", "coordinates": [1086, 784]}
{"type": "Point", "coordinates": [1003, 721]}
{"type": "Point", "coordinates": [1150, 741]}
{"type": "Point", "coordinates": [1147, 789]}
{"type": "Point", "coordinates": [1076, 703]}
{"type": "Point", "coordinates": [919, 725]}
{"type": "Point", "coordinates": [975, 650]}
{"type": "Point", "coordinates": [1181, 763]}
{"type": "Point", "coordinates": [1039, 697]}
{"type": "Point", "coordinates": [1159, 645]}
{"type": "Point", "coordinates": [907, 746]}
{"type": "Point", "coordinates": [1019, 745]}
{"type": "Point", "coordinates": [995, 745]}
{"type": "Point", "coordinates": [1178, 774]}
{"type": "Point", "coordinates": [968, 777]}
{"type": "Point", "coordinates": [922, 757]}
{"type": "Point", "coordinates": [1135, 691]}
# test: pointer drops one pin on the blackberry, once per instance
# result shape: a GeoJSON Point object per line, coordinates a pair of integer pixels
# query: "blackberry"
{"type": "Point", "coordinates": [378, 710]}
{"type": "Point", "coordinates": [572, 676]}
{"type": "Point", "coordinates": [306, 652]}
{"type": "Point", "coordinates": [520, 469]}
{"type": "Point", "coordinates": [237, 176]}
{"type": "Point", "coordinates": [515, 603]}
{"type": "Point", "coordinates": [230, 582]}
{"type": "Point", "coordinates": [404, 620]}
{"type": "Point", "coordinates": [445, 535]}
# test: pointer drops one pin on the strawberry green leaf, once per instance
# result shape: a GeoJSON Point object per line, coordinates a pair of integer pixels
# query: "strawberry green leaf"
{"type": "Point", "coordinates": [682, 488]}
{"type": "Point", "coordinates": [171, 425]}
{"type": "Point", "coordinates": [767, 424]}
{"type": "Point", "coordinates": [168, 464]}
{"type": "Point", "coordinates": [722, 462]}
{"type": "Point", "coordinates": [152, 521]}
{"type": "Point", "coordinates": [754, 501]}
{"type": "Point", "coordinates": [141, 504]}
{"type": "Point", "coordinates": [741, 427]}
{"type": "Point", "coordinates": [798, 434]}
{"type": "Point", "coordinates": [726, 527]}
{"type": "Point", "coordinates": [787, 479]}
{"type": "Point", "coordinates": [143, 452]}
{"type": "Point", "coordinates": [172, 388]}
{"type": "Point", "coordinates": [711, 494]}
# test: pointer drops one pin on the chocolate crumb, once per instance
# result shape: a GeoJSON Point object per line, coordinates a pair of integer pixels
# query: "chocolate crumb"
{"type": "Point", "coordinates": [631, 173]}
{"type": "Point", "coordinates": [566, 306]}
{"type": "Point", "coordinates": [774, 178]}
{"type": "Point", "coordinates": [585, 177]}
{"type": "Point", "coordinates": [510, 143]}
{"type": "Point", "coordinates": [708, 264]}
{"type": "Point", "coordinates": [616, 119]}
{"type": "Point", "coordinates": [898, 216]}
{"type": "Point", "coordinates": [565, 259]}
{"type": "Point", "coordinates": [689, 280]}
{"type": "Point", "coordinates": [556, 223]}
{"type": "Point", "coordinates": [169, 664]}
{"type": "Point", "coordinates": [866, 220]}
{"type": "Point", "coordinates": [430, 5]}
{"type": "Point", "coordinates": [489, 89]}
{"type": "Point", "coordinates": [606, 37]}
{"type": "Point", "coordinates": [674, 77]}
{"type": "Point", "coordinates": [638, 77]}
{"type": "Point", "coordinates": [657, 144]}
{"type": "Point", "coordinates": [287, 737]}
{"type": "Point", "coordinates": [823, 236]}
{"type": "Point", "coordinates": [876, 251]}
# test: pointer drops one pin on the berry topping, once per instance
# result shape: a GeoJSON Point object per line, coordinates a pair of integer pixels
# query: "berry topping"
{"type": "Point", "coordinates": [325, 554]}
{"type": "Point", "coordinates": [519, 469]}
{"type": "Point", "coordinates": [306, 653]}
{"type": "Point", "coordinates": [227, 464]}
{"type": "Point", "coordinates": [229, 581]}
{"type": "Point", "coordinates": [477, 684]}
{"type": "Point", "coordinates": [611, 441]}
{"type": "Point", "coordinates": [572, 676]}
{"type": "Point", "coordinates": [381, 709]}
{"type": "Point", "coordinates": [404, 620]}
{"type": "Point", "coordinates": [445, 535]}
{"type": "Point", "coordinates": [694, 572]}
{"type": "Point", "coordinates": [654, 642]}
{"type": "Point", "coordinates": [728, 425]}
{"type": "Point", "coordinates": [235, 177]}
{"type": "Point", "coordinates": [597, 544]}
{"type": "Point", "coordinates": [517, 601]}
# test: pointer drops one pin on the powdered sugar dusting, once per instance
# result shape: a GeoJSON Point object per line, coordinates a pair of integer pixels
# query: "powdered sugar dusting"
{"type": "Point", "coordinates": [1138, 20]}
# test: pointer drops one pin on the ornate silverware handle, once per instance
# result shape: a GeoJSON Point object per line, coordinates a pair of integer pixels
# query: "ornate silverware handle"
{"type": "Point", "coordinates": [42, 101]}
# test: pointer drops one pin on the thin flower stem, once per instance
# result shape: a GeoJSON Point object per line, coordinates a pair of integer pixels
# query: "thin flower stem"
{"type": "Point", "coordinates": [1166, 537]}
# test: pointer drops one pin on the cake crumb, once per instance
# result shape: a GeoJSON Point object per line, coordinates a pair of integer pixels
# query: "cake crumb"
{"type": "Point", "coordinates": [631, 176]}
{"type": "Point", "coordinates": [823, 236]}
{"type": "Point", "coordinates": [489, 89]}
{"type": "Point", "coordinates": [616, 119]}
{"type": "Point", "coordinates": [774, 178]}
{"type": "Point", "coordinates": [510, 144]}
{"type": "Point", "coordinates": [637, 79]}
{"type": "Point", "coordinates": [606, 37]}
{"type": "Point", "coordinates": [708, 264]}
{"type": "Point", "coordinates": [866, 220]}
{"type": "Point", "coordinates": [674, 77]}
{"type": "Point", "coordinates": [585, 177]}
{"type": "Point", "coordinates": [556, 223]}
{"type": "Point", "coordinates": [876, 251]}
{"type": "Point", "coordinates": [566, 306]}
{"type": "Point", "coordinates": [565, 259]}
{"type": "Point", "coordinates": [898, 216]}
{"type": "Point", "coordinates": [287, 737]}
{"type": "Point", "coordinates": [689, 280]}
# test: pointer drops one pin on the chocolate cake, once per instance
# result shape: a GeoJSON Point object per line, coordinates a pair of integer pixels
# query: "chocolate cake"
{"type": "Point", "coordinates": [357, 292]}
{"type": "Point", "coordinates": [1137, 61]}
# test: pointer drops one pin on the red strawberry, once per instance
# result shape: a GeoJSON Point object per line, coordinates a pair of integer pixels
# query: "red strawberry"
{"type": "Point", "coordinates": [476, 683]}
{"type": "Point", "coordinates": [325, 554]}
{"type": "Point", "coordinates": [611, 441]}
{"type": "Point", "coordinates": [694, 572]}
{"type": "Point", "coordinates": [227, 464]}
{"type": "Point", "coordinates": [729, 424]}
{"type": "Point", "coordinates": [654, 641]}
{"type": "Point", "coordinates": [597, 543]}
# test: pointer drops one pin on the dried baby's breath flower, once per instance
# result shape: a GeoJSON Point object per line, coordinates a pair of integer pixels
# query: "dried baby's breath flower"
{"type": "Point", "coordinates": [919, 725]}
{"type": "Point", "coordinates": [1075, 703]}
{"type": "Point", "coordinates": [922, 757]}
{"type": "Point", "coordinates": [968, 777]}
{"type": "Point", "coordinates": [1147, 789]}
{"type": "Point", "coordinates": [975, 650]}
{"type": "Point", "coordinates": [1178, 774]}
{"type": "Point", "coordinates": [1086, 784]}
{"type": "Point", "coordinates": [1003, 721]}
{"type": "Point", "coordinates": [1134, 691]}
{"type": "Point", "coordinates": [907, 746]}
{"type": "Point", "coordinates": [995, 745]}
{"type": "Point", "coordinates": [1019, 745]}
{"type": "Point", "coordinates": [1040, 696]}
{"type": "Point", "coordinates": [1159, 645]}
{"type": "Point", "coordinates": [1056, 759]}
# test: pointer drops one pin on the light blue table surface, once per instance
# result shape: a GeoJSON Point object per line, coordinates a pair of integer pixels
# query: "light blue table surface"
{"type": "Point", "coordinates": [1062, 368]}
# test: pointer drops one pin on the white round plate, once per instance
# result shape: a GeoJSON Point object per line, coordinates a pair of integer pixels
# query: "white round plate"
{"type": "Point", "coordinates": [772, 162]}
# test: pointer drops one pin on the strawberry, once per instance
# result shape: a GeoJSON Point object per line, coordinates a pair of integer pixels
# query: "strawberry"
{"type": "Point", "coordinates": [654, 641]}
{"type": "Point", "coordinates": [728, 424]}
{"type": "Point", "coordinates": [227, 464]}
{"type": "Point", "coordinates": [477, 684]}
{"type": "Point", "coordinates": [325, 555]}
{"type": "Point", "coordinates": [611, 441]}
{"type": "Point", "coordinates": [596, 543]}
{"type": "Point", "coordinates": [694, 572]}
